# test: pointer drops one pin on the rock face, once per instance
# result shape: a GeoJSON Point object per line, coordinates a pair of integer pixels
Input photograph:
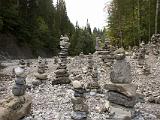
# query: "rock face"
{"type": "Point", "coordinates": [15, 108]}
{"type": "Point", "coordinates": [62, 76]}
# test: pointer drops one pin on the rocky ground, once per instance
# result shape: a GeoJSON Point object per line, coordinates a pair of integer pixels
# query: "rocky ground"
{"type": "Point", "coordinates": [54, 102]}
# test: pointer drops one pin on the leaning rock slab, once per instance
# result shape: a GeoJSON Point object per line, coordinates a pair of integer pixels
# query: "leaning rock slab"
{"type": "Point", "coordinates": [15, 108]}
{"type": "Point", "coordinates": [120, 99]}
{"type": "Point", "coordinates": [126, 89]}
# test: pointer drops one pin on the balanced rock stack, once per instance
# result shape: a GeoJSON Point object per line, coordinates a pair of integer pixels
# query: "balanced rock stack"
{"type": "Point", "coordinates": [121, 91]}
{"type": "Point", "coordinates": [56, 60]}
{"type": "Point", "coordinates": [90, 63]}
{"type": "Point", "coordinates": [142, 52]}
{"type": "Point", "coordinates": [64, 45]}
{"type": "Point", "coordinates": [81, 55]}
{"type": "Point", "coordinates": [20, 80]}
{"type": "Point", "coordinates": [41, 74]}
{"type": "Point", "coordinates": [17, 106]}
{"type": "Point", "coordinates": [62, 75]}
{"type": "Point", "coordinates": [93, 85]}
{"type": "Point", "coordinates": [135, 52]}
{"type": "Point", "coordinates": [80, 109]}
{"type": "Point", "coordinates": [97, 46]}
{"type": "Point", "coordinates": [146, 69]}
{"type": "Point", "coordinates": [107, 57]}
{"type": "Point", "coordinates": [155, 40]}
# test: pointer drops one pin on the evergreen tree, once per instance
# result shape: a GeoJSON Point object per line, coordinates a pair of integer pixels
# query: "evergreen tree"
{"type": "Point", "coordinates": [131, 21]}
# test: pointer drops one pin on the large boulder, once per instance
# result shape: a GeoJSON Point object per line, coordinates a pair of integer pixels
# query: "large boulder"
{"type": "Point", "coordinates": [121, 72]}
{"type": "Point", "coordinates": [15, 108]}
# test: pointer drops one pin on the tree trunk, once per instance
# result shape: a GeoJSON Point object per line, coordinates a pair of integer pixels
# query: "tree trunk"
{"type": "Point", "coordinates": [156, 17]}
{"type": "Point", "coordinates": [139, 23]}
{"type": "Point", "coordinates": [133, 23]}
{"type": "Point", "coordinates": [149, 22]}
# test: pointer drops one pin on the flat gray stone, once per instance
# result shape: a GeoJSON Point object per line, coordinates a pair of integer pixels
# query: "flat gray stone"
{"type": "Point", "coordinates": [120, 99]}
{"type": "Point", "coordinates": [79, 116]}
{"type": "Point", "coordinates": [126, 89]}
{"type": "Point", "coordinates": [18, 90]}
{"type": "Point", "coordinates": [41, 76]}
{"type": "Point", "coordinates": [121, 72]}
{"type": "Point", "coordinates": [121, 113]}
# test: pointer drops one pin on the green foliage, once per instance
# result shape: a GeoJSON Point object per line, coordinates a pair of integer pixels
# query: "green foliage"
{"type": "Point", "coordinates": [39, 24]}
{"type": "Point", "coordinates": [131, 21]}
{"type": "Point", "coordinates": [82, 41]}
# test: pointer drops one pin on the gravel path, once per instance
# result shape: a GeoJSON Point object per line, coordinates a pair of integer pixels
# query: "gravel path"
{"type": "Point", "coordinates": [54, 102]}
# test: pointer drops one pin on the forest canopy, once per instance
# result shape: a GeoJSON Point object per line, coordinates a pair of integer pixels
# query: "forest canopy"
{"type": "Point", "coordinates": [40, 23]}
{"type": "Point", "coordinates": [132, 21]}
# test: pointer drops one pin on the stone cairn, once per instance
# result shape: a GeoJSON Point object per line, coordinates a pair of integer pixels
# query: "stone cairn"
{"type": "Point", "coordinates": [90, 63]}
{"type": "Point", "coordinates": [80, 109]}
{"type": "Point", "coordinates": [155, 44]}
{"type": "Point", "coordinates": [56, 60]}
{"type": "Point", "coordinates": [141, 56]}
{"type": "Point", "coordinates": [141, 59]}
{"type": "Point", "coordinates": [81, 55]}
{"type": "Point", "coordinates": [107, 56]}
{"type": "Point", "coordinates": [41, 75]}
{"type": "Point", "coordinates": [146, 69]}
{"type": "Point", "coordinates": [62, 76]}
{"type": "Point", "coordinates": [135, 52]}
{"type": "Point", "coordinates": [81, 58]}
{"type": "Point", "coordinates": [121, 92]}
{"type": "Point", "coordinates": [19, 105]}
{"type": "Point", "coordinates": [20, 81]}
{"type": "Point", "coordinates": [93, 86]}
{"type": "Point", "coordinates": [97, 46]}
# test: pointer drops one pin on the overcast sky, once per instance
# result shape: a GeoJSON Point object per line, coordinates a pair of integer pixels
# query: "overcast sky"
{"type": "Point", "coordinates": [81, 10]}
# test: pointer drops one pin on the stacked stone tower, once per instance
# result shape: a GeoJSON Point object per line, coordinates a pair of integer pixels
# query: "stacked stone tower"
{"type": "Point", "coordinates": [41, 75]}
{"type": "Point", "coordinates": [90, 63]}
{"type": "Point", "coordinates": [107, 56]}
{"type": "Point", "coordinates": [142, 52]}
{"type": "Point", "coordinates": [62, 76]}
{"type": "Point", "coordinates": [93, 86]}
{"type": "Point", "coordinates": [155, 44]}
{"type": "Point", "coordinates": [80, 109]}
{"type": "Point", "coordinates": [19, 105]}
{"type": "Point", "coordinates": [20, 80]}
{"type": "Point", "coordinates": [121, 91]}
